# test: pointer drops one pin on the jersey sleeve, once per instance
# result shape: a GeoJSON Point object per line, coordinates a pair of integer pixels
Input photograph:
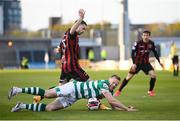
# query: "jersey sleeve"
{"type": "Point", "coordinates": [155, 52]}
{"type": "Point", "coordinates": [133, 52]}
{"type": "Point", "coordinates": [71, 36]}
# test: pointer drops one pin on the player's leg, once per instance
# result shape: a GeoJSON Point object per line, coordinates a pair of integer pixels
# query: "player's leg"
{"type": "Point", "coordinates": [60, 103]}
{"type": "Point", "coordinates": [124, 83]}
{"type": "Point", "coordinates": [131, 73]}
{"type": "Point", "coordinates": [48, 94]}
{"type": "Point", "coordinates": [66, 97]}
{"type": "Point", "coordinates": [64, 78]}
{"type": "Point", "coordinates": [34, 107]}
{"type": "Point", "coordinates": [177, 69]}
{"type": "Point", "coordinates": [32, 90]}
{"type": "Point", "coordinates": [38, 98]}
{"type": "Point", "coordinates": [152, 83]}
{"type": "Point", "coordinates": [148, 69]}
{"type": "Point", "coordinates": [55, 105]}
{"type": "Point", "coordinates": [66, 90]}
{"type": "Point", "coordinates": [29, 90]}
{"type": "Point", "coordinates": [176, 65]}
{"type": "Point", "coordinates": [80, 75]}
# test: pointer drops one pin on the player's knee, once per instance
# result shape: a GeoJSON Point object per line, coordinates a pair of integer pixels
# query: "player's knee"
{"type": "Point", "coordinates": [50, 108]}
{"type": "Point", "coordinates": [153, 75]}
{"type": "Point", "coordinates": [50, 93]}
{"type": "Point", "coordinates": [47, 94]}
{"type": "Point", "coordinates": [129, 76]}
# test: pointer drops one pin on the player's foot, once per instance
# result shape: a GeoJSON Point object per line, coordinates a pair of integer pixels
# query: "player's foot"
{"type": "Point", "coordinates": [37, 99]}
{"type": "Point", "coordinates": [151, 93]}
{"type": "Point", "coordinates": [17, 107]}
{"type": "Point", "coordinates": [13, 92]}
{"type": "Point", "coordinates": [103, 107]}
{"type": "Point", "coordinates": [117, 93]}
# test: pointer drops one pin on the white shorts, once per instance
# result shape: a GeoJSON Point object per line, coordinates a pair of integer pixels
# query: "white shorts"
{"type": "Point", "coordinates": [66, 94]}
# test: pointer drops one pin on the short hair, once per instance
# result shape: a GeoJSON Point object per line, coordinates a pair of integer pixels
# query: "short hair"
{"type": "Point", "coordinates": [82, 22]}
{"type": "Point", "coordinates": [116, 76]}
{"type": "Point", "coordinates": [147, 31]}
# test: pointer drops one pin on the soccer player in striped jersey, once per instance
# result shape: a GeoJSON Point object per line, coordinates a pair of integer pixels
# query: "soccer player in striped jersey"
{"type": "Point", "coordinates": [140, 58]}
{"type": "Point", "coordinates": [69, 93]}
{"type": "Point", "coordinates": [69, 48]}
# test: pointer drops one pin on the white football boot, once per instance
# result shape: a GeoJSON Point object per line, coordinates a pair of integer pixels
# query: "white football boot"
{"type": "Point", "coordinates": [14, 91]}
{"type": "Point", "coordinates": [17, 107]}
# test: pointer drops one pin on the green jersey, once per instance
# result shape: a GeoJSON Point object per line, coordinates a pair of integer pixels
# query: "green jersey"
{"type": "Point", "coordinates": [90, 89]}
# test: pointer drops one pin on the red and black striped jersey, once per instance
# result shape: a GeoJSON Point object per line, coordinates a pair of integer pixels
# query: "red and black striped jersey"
{"type": "Point", "coordinates": [141, 50]}
{"type": "Point", "coordinates": [70, 51]}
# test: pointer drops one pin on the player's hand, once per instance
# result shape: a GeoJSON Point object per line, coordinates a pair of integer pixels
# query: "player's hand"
{"type": "Point", "coordinates": [162, 65]}
{"type": "Point", "coordinates": [56, 50]}
{"type": "Point", "coordinates": [81, 13]}
{"type": "Point", "coordinates": [117, 93]}
{"type": "Point", "coordinates": [131, 109]}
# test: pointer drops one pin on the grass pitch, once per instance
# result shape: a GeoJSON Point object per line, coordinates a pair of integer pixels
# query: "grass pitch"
{"type": "Point", "coordinates": [164, 106]}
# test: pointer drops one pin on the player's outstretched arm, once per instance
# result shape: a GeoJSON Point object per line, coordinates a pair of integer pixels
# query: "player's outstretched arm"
{"type": "Point", "coordinates": [116, 104]}
{"type": "Point", "coordinates": [76, 24]}
{"type": "Point", "coordinates": [157, 56]}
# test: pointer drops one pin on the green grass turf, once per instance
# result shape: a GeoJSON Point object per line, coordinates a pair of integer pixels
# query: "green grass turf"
{"type": "Point", "coordinates": [165, 105]}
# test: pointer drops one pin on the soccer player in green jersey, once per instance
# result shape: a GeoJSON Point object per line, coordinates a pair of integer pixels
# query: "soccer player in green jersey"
{"type": "Point", "coordinates": [69, 93]}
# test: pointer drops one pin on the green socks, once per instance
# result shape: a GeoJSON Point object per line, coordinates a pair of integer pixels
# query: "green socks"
{"type": "Point", "coordinates": [35, 107]}
{"type": "Point", "coordinates": [33, 91]}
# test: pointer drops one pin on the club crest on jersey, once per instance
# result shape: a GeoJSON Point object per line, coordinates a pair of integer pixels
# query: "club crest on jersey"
{"type": "Point", "coordinates": [105, 86]}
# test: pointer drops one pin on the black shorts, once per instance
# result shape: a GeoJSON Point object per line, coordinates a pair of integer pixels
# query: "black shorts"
{"type": "Point", "coordinates": [79, 75]}
{"type": "Point", "coordinates": [144, 67]}
{"type": "Point", "coordinates": [175, 59]}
